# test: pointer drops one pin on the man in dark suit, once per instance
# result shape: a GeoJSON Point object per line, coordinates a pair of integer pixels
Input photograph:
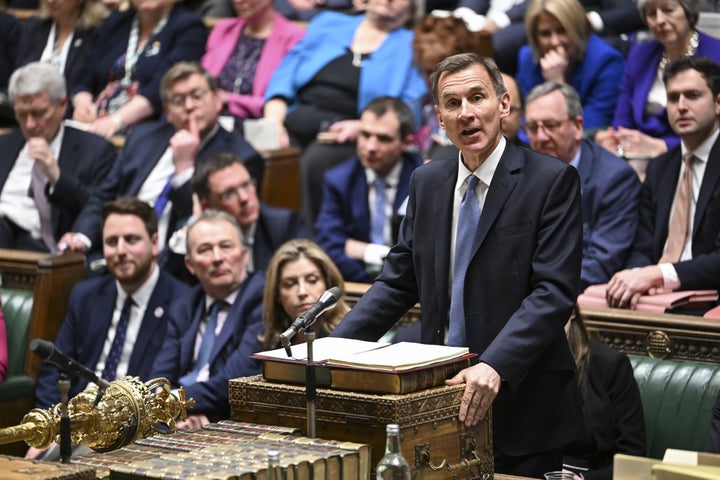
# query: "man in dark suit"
{"type": "Point", "coordinates": [50, 170]}
{"type": "Point", "coordinates": [158, 159]}
{"type": "Point", "coordinates": [610, 187]}
{"type": "Point", "coordinates": [224, 183]}
{"type": "Point", "coordinates": [361, 195]}
{"type": "Point", "coordinates": [215, 329]}
{"type": "Point", "coordinates": [685, 253]}
{"type": "Point", "coordinates": [522, 270]}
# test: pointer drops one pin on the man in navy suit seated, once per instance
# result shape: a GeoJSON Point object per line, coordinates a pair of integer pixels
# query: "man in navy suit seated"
{"type": "Point", "coordinates": [610, 187]}
{"type": "Point", "coordinates": [49, 170]}
{"type": "Point", "coordinates": [159, 158]}
{"type": "Point", "coordinates": [222, 182]}
{"type": "Point", "coordinates": [677, 246]}
{"type": "Point", "coordinates": [215, 328]}
{"type": "Point", "coordinates": [361, 195]}
{"type": "Point", "coordinates": [116, 323]}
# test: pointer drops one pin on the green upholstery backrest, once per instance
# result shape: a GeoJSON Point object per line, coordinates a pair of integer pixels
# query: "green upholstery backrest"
{"type": "Point", "coordinates": [677, 398]}
{"type": "Point", "coordinates": [17, 307]}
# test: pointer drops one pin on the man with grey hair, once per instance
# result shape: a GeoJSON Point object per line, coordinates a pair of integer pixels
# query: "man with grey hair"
{"type": "Point", "coordinates": [214, 330]}
{"type": "Point", "coordinates": [50, 169]}
{"type": "Point", "coordinates": [610, 187]}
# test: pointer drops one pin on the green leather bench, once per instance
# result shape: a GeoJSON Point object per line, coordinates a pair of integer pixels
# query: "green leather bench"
{"type": "Point", "coordinates": [16, 306]}
{"type": "Point", "coordinates": [677, 398]}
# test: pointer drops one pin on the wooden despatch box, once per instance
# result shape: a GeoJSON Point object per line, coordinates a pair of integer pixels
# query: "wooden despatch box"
{"type": "Point", "coordinates": [433, 441]}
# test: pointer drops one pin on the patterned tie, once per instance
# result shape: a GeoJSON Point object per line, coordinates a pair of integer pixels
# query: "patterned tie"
{"type": "Point", "coordinates": [206, 344]}
{"type": "Point", "coordinates": [37, 191]}
{"type": "Point", "coordinates": [164, 196]}
{"type": "Point", "coordinates": [680, 221]}
{"type": "Point", "coordinates": [468, 220]}
{"type": "Point", "coordinates": [377, 229]}
{"type": "Point", "coordinates": [116, 349]}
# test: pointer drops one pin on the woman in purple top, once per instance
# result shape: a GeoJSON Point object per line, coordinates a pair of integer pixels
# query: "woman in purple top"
{"type": "Point", "coordinates": [640, 125]}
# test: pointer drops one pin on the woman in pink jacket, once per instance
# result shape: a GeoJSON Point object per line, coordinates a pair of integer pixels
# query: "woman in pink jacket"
{"type": "Point", "coordinates": [243, 53]}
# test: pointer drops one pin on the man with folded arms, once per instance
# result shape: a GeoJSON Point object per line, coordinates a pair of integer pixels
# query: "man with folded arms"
{"type": "Point", "coordinates": [678, 241]}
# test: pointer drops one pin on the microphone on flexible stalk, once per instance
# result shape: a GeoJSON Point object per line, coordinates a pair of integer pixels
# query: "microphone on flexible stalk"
{"type": "Point", "coordinates": [48, 352]}
{"type": "Point", "coordinates": [327, 300]}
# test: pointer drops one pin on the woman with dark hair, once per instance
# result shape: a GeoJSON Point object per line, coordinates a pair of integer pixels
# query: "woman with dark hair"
{"type": "Point", "coordinates": [640, 126]}
{"type": "Point", "coordinates": [563, 49]}
{"type": "Point", "coordinates": [62, 34]}
{"type": "Point", "coordinates": [611, 405]}
{"type": "Point", "coordinates": [298, 273]}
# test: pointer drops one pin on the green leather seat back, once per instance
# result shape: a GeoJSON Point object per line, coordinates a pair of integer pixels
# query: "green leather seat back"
{"type": "Point", "coordinates": [677, 398]}
{"type": "Point", "coordinates": [16, 307]}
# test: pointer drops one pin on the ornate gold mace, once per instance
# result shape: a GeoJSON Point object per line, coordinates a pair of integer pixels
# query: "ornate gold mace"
{"type": "Point", "coordinates": [129, 410]}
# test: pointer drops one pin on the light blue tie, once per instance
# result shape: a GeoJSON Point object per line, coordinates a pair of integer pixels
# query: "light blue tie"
{"type": "Point", "coordinates": [206, 345]}
{"type": "Point", "coordinates": [377, 230]}
{"type": "Point", "coordinates": [468, 220]}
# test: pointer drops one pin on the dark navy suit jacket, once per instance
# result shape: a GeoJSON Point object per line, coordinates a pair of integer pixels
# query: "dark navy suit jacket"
{"type": "Point", "coordinates": [35, 33]}
{"type": "Point", "coordinates": [229, 357]}
{"type": "Point", "coordinates": [85, 160]}
{"type": "Point", "coordinates": [520, 288]}
{"type": "Point", "coordinates": [610, 194]}
{"type": "Point", "coordinates": [83, 333]}
{"type": "Point", "coordinates": [182, 39]}
{"type": "Point", "coordinates": [9, 30]}
{"type": "Point", "coordinates": [345, 212]}
{"type": "Point", "coordinates": [656, 197]}
{"type": "Point", "coordinates": [144, 146]}
{"type": "Point", "coordinates": [275, 226]}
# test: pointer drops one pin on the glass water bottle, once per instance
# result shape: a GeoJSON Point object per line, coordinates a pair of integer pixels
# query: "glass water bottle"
{"type": "Point", "coordinates": [393, 465]}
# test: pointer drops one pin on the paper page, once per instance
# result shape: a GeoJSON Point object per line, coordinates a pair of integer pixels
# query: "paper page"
{"type": "Point", "coordinates": [398, 357]}
{"type": "Point", "coordinates": [682, 457]}
{"type": "Point", "coordinates": [323, 348]}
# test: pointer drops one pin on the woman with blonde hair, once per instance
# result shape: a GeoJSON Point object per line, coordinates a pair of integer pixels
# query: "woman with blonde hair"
{"type": "Point", "coordinates": [62, 34]}
{"type": "Point", "coordinates": [298, 273]}
{"type": "Point", "coordinates": [562, 48]}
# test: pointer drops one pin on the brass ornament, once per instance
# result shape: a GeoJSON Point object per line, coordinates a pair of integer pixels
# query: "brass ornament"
{"type": "Point", "coordinates": [129, 409]}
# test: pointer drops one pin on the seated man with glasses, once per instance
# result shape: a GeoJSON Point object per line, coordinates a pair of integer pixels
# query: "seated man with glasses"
{"type": "Point", "coordinates": [159, 158]}
{"type": "Point", "coordinates": [610, 187]}
{"type": "Point", "coordinates": [223, 182]}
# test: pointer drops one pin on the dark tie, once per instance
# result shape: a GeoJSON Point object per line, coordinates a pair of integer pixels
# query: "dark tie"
{"type": "Point", "coordinates": [680, 221]}
{"type": "Point", "coordinates": [468, 220]}
{"type": "Point", "coordinates": [377, 230]}
{"type": "Point", "coordinates": [37, 191]}
{"type": "Point", "coordinates": [113, 359]}
{"type": "Point", "coordinates": [164, 196]}
{"type": "Point", "coordinates": [206, 344]}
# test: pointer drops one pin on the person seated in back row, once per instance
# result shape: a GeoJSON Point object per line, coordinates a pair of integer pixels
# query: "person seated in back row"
{"type": "Point", "coordinates": [159, 158]}
{"type": "Point", "coordinates": [49, 170]}
{"type": "Point", "coordinates": [677, 246]}
{"type": "Point", "coordinates": [362, 195]}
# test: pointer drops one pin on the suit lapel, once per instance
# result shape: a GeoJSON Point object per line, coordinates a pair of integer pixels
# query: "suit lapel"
{"type": "Point", "coordinates": [152, 322]}
{"type": "Point", "coordinates": [501, 186]}
{"type": "Point", "coordinates": [708, 186]}
{"type": "Point", "coordinates": [441, 196]}
{"type": "Point", "coordinates": [667, 184]}
{"type": "Point", "coordinates": [146, 158]}
{"type": "Point", "coordinates": [100, 319]}
{"type": "Point", "coordinates": [233, 322]}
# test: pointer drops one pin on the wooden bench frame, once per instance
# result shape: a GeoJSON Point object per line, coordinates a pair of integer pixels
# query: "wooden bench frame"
{"type": "Point", "coordinates": [51, 279]}
{"type": "Point", "coordinates": [677, 337]}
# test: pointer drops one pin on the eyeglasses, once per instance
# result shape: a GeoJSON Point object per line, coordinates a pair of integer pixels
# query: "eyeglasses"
{"type": "Point", "coordinates": [549, 127]}
{"type": "Point", "coordinates": [178, 100]}
{"type": "Point", "coordinates": [231, 194]}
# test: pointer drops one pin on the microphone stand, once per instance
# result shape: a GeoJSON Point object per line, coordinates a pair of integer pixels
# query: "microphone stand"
{"type": "Point", "coordinates": [65, 440]}
{"type": "Point", "coordinates": [310, 384]}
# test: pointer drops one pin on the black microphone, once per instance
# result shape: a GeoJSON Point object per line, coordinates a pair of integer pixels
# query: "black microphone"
{"type": "Point", "coordinates": [49, 353]}
{"type": "Point", "coordinates": [327, 300]}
